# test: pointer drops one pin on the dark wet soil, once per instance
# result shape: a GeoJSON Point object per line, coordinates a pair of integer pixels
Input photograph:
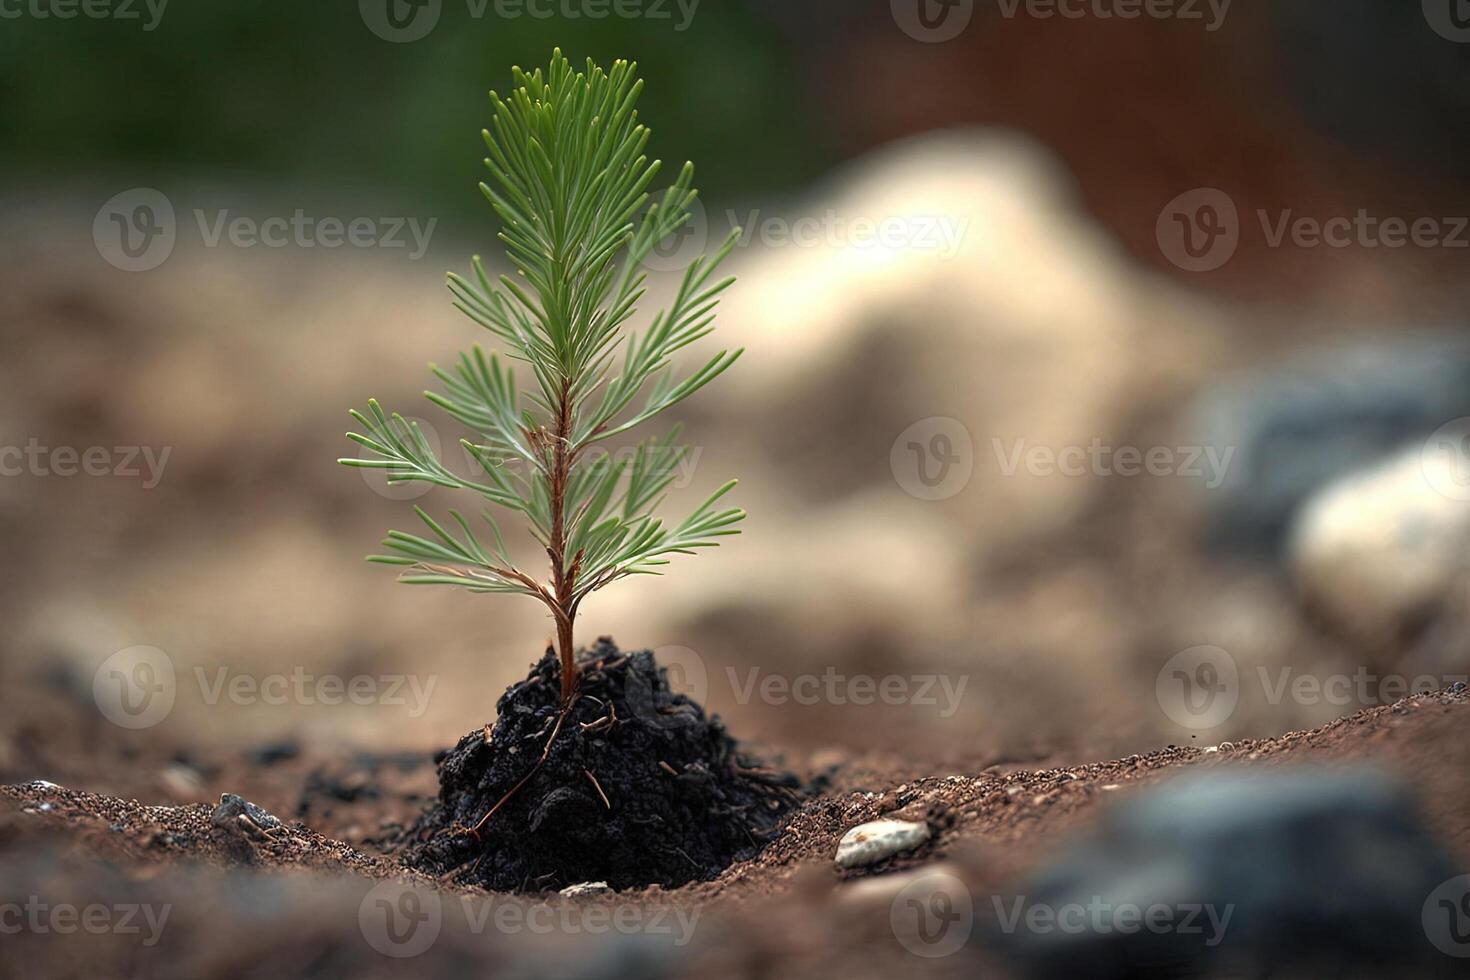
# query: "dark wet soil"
{"type": "Point", "coordinates": [633, 785]}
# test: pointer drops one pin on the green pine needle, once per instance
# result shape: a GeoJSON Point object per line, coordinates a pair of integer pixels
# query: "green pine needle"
{"type": "Point", "coordinates": [570, 184]}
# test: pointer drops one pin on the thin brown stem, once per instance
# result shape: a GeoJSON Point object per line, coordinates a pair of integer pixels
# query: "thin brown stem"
{"type": "Point", "coordinates": [563, 576]}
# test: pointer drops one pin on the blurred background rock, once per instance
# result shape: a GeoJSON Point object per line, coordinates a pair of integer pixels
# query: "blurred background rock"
{"type": "Point", "coordinates": [1056, 321]}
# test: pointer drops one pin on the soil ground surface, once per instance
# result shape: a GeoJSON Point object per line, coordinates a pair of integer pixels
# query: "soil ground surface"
{"type": "Point", "coordinates": [189, 892]}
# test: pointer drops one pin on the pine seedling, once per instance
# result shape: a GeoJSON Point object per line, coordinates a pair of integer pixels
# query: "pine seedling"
{"type": "Point", "coordinates": [570, 183]}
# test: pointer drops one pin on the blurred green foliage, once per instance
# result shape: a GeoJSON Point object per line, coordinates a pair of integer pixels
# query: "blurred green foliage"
{"type": "Point", "coordinates": [304, 94]}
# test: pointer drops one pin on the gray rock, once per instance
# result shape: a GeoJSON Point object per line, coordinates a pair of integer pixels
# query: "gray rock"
{"type": "Point", "coordinates": [238, 815]}
{"type": "Point", "coordinates": [586, 889]}
{"type": "Point", "coordinates": [1316, 418]}
{"type": "Point", "coordinates": [870, 843]}
{"type": "Point", "coordinates": [1297, 873]}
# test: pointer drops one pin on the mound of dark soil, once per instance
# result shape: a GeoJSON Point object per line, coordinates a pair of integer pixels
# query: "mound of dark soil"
{"type": "Point", "coordinates": [638, 787]}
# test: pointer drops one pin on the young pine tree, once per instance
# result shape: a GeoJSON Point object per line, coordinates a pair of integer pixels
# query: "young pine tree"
{"type": "Point", "coordinates": [569, 181]}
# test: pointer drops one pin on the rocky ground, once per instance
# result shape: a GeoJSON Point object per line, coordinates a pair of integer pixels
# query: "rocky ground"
{"type": "Point", "coordinates": [197, 891]}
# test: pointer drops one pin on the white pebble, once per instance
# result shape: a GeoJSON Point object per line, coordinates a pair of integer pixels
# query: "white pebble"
{"type": "Point", "coordinates": [586, 889]}
{"type": "Point", "coordinates": [870, 843]}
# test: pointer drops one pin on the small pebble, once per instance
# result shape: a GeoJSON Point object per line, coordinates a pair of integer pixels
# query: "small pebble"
{"type": "Point", "coordinates": [870, 843]}
{"type": "Point", "coordinates": [586, 889]}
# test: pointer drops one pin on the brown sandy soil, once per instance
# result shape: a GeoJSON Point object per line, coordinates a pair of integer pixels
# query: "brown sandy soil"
{"type": "Point", "coordinates": [239, 904]}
